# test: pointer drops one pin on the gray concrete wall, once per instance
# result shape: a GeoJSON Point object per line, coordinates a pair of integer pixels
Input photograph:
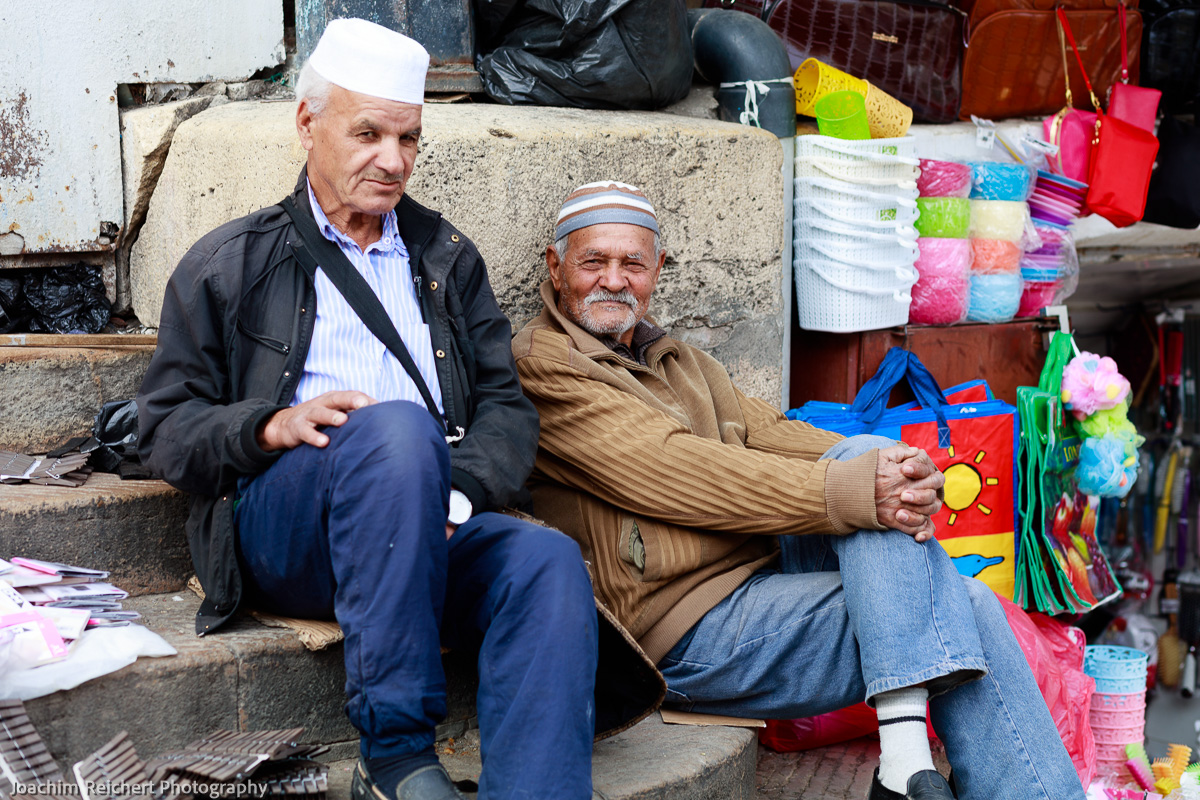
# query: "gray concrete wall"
{"type": "Point", "coordinates": [499, 174]}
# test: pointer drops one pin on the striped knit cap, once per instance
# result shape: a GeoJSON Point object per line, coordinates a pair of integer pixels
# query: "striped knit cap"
{"type": "Point", "coordinates": [604, 201]}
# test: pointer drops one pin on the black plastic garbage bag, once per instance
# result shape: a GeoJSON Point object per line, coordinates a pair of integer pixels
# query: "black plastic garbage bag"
{"type": "Point", "coordinates": [585, 53]}
{"type": "Point", "coordinates": [14, 312]}
{"type": "Point", "coordinates": [66, 299]}
{"type": "Point", "coordinates": [113, 446]}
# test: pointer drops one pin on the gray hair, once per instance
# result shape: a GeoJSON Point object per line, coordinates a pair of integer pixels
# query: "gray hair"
{"type": "Point", "coordinates": [560, 246]}
{"type": "Point", "coordinates": [311, 86]}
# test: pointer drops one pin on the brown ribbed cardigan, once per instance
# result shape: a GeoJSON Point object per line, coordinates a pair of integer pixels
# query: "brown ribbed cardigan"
{"type": "Point", "coordinates": [672, 458]}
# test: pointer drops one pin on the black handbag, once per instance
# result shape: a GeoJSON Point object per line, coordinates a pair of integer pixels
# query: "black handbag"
{"type": "Point", "coordinates": [1174, 197]}
{"type": "Point", "coordinates": [1171, 52]}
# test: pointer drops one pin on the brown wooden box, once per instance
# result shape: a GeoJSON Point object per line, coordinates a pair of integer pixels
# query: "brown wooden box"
{"type": "Point", "coordinates": [833, 366]}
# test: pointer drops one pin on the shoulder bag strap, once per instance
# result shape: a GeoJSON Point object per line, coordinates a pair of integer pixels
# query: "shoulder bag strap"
{"type": "Point", "coordinates": [1062, 18]}
{"type": "Point", "coordinates": [314, 249]}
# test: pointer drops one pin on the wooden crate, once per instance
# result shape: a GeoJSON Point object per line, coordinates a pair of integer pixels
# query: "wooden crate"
{"type": "Point", "coordinates": [833, 366]}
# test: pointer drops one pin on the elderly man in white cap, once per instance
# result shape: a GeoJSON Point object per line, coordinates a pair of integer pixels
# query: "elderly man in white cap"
{"type": "Point", "coordinates": [333, 385]}
{"type": "Point", "coordinates": [769, 568]}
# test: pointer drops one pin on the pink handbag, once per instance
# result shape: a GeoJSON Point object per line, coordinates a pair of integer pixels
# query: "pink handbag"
{"type": "Point", "coordinates": [1072, 130]}
{"type": "Point", "coordinates": [1137, 105]}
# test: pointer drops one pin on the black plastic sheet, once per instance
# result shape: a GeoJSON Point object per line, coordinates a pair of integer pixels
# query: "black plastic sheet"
{"type": "Point", "coordinates": [14, 313]}
{"type": "Point", "coordinates": [113, 446]}
{"type": "Point", "coordinates": [617, 54]}
{"type": "Point", "coordinates": [67, 299]}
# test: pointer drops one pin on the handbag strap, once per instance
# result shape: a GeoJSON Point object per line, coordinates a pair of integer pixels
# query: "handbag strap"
{"type": "Point", "coordinates": [1062, 19]}
{"type": "Point", "coordinates": [1062, 45]}
{"type": "Point", "coordinates": [900, 364]}
{"type": "Point", "coordinates": [358, 293]}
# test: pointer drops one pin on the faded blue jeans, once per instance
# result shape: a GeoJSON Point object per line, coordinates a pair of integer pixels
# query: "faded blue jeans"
{"type": "Point", "coordinates": [848, 617]}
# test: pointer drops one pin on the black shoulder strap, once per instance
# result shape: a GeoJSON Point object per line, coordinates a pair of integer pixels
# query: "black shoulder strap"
{"type": "Point", "coordinates": [358, 294]}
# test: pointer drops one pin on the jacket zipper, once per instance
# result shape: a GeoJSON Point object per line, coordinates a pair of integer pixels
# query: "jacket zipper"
{"type": "Point", "coordinates": [277, 345]}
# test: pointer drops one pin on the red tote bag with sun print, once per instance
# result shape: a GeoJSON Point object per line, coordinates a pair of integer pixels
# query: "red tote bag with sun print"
{"type": "Point", "coordinates": [977, 525]}
{"type": "Point", "coordinates": [971, 436]}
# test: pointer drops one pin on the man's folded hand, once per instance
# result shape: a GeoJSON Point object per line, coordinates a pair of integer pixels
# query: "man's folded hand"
{"type": "Point", "coordinates": [908, 490]}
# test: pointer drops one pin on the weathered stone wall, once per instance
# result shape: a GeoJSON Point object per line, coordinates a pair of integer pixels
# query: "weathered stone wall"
{"type": "Point", "coordinates": [499, 174]}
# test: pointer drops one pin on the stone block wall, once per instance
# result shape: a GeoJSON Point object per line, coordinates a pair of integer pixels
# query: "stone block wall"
{"type": "Point", "coordinates": [499, 174]}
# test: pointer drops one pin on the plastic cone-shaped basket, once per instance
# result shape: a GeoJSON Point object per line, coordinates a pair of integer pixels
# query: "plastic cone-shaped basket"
{"type": "Point", "coordinates": [814, 80]}
{"type": "Point", "coordinates": [887, 116]}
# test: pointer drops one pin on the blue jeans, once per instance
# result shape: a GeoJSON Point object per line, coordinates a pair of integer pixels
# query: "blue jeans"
{"type": "Point", "coordinates": [848, 617]}
{"type": "Point", "coordinates": [357, 531]}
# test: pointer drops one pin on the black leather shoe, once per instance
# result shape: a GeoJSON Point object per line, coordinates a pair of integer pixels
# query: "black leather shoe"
{"type": "Point", "coordinates": [427, 783]}
{"type": "Point", "coordinates": [925, 785]}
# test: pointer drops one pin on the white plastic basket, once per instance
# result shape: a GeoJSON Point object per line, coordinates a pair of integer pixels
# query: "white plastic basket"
{"type": "Point", "coordinates": [830, 298]}
{"type": "Point", "coordinates": [817, 238]}
{"type": "Point", "coordinates": [870, 162]}
{"type": "Point", "coordinates": [842, 201]}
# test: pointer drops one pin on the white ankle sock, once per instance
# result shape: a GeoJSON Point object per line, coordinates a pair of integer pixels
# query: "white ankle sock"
{"type": "Point", "coordinates": [903, 738]}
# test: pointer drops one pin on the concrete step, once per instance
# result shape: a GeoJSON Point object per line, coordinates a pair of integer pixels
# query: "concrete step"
{"type": "Point", "coordinates": [255, 677]}
{"type": "Point", "coordinates": [133, 529]}
{"type": "Point", "coordinates": [52, 386]}
{"type": "Point", "coordinates": [650, 761]}
{"type": "Point", "coordinates": [249, 677]}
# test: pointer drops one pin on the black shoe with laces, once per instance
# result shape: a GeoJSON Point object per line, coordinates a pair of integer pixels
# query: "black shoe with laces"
{"type": "Point", "coordinates": [427, 783]}
{"type": "Point", "coordinates": [925, 785]}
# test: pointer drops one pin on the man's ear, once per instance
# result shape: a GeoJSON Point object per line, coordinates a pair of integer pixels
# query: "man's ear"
{"type": "Point", "coordinates": [304, 123]}
{"type": "Point", "coordinates": [554, 266]}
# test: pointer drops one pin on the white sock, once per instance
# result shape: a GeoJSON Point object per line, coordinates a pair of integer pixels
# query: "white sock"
{"type": "Point", "coordinates": [903, 738]}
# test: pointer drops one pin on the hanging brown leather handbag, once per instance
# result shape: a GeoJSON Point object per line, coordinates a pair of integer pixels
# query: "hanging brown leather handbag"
{"type": "Point", "coordinates": [911, 49]}
{"type": "Point", "coordinates": [1122, 158]}
{"type": "Point", "coordinates": [1012, 67]}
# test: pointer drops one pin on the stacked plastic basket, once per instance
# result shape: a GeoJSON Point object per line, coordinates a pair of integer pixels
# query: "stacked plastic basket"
{"type": "Point", "coordinates": [1118, 713]}
{"type": "Point", "coordinates": [855, 244]}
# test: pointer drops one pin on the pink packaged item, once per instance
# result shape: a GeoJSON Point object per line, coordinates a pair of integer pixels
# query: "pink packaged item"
{"type": "Point", "coordinates": [942, 293]}
{"type": "Point", "coordinates": [944, 179]}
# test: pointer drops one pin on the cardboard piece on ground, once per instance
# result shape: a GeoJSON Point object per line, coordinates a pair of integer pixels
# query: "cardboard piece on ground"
{"type": "Point", "coordinates": [672, 717]}
{"type": "Point", "coordinates": [314, 634]}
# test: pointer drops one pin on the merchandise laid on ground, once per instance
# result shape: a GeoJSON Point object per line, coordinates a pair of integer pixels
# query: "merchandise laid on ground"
{"type": "Point", "coordinates": [58, 628]}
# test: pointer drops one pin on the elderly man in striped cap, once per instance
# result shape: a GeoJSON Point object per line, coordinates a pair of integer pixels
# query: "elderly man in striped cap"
{"type": "Point", "coordinates": [333, 385]}
{"type": "Point", "coordinates": [769, 568]}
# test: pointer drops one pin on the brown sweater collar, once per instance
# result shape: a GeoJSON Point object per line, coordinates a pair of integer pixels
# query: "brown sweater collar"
{"type": "Point", "coordinates": [589, 345]}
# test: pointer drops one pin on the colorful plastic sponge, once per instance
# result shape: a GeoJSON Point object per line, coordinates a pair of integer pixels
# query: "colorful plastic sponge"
{"type": "Point", "coordinates": [1091, 383]}
{"type": "Point", "coordinates": [1104, 468]}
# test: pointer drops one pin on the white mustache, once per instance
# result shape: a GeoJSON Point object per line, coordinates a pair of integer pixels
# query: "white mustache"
{"type": "Point", "coordinates": [604, 296]}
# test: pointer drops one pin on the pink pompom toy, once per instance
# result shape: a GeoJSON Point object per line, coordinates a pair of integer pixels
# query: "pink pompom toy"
{"type": "Point", "coordinates": [1091, 383]}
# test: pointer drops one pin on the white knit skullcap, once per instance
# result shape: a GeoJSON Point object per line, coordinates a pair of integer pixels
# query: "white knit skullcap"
{"type": "Point", "coordinates": [370, 59]}
{"type": "Point", "coordinates": [604, 201]}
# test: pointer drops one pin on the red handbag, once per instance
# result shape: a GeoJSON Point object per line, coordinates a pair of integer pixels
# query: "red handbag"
{"type": "Point", "coordinates": [1137, 105]}
{"type": "Point", "coordinates": [1122, 159]}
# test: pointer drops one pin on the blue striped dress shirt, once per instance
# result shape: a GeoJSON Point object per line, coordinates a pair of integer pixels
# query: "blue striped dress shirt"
{"type": "Point", "coordinates": [344, 354]}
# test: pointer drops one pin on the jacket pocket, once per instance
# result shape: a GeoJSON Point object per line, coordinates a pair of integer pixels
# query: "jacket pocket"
{"type": "Point", "coordinates": [641, 546]}
{"type": "Point", "coordinates": [278, 345]}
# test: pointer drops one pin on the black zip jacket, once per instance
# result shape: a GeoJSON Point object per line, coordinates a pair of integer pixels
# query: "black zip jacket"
{"type": "Point", "coordinates": [236, 324]}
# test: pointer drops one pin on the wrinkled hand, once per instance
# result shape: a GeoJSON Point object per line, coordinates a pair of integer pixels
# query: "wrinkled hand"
{"type": "Point", "coordinates": [300, 424]}
{"type": "Point", "coordinates": [906, 491]}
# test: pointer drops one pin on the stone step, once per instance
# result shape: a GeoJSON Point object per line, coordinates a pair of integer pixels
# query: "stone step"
{"type": "Point", "coordinates": [254, 677]}
{"type": "Point", "coordinates": [247, 677]}
{"type": "Point", "coordinates": [133, 529]}
{"type": "Point", "coordinates": [650, 761]}
{"type": "Point", "coordinates": [51, 392]}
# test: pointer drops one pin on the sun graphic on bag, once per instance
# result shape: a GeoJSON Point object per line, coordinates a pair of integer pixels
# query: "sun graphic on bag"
{"type": "Point", "coordinates": [964, 483]}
